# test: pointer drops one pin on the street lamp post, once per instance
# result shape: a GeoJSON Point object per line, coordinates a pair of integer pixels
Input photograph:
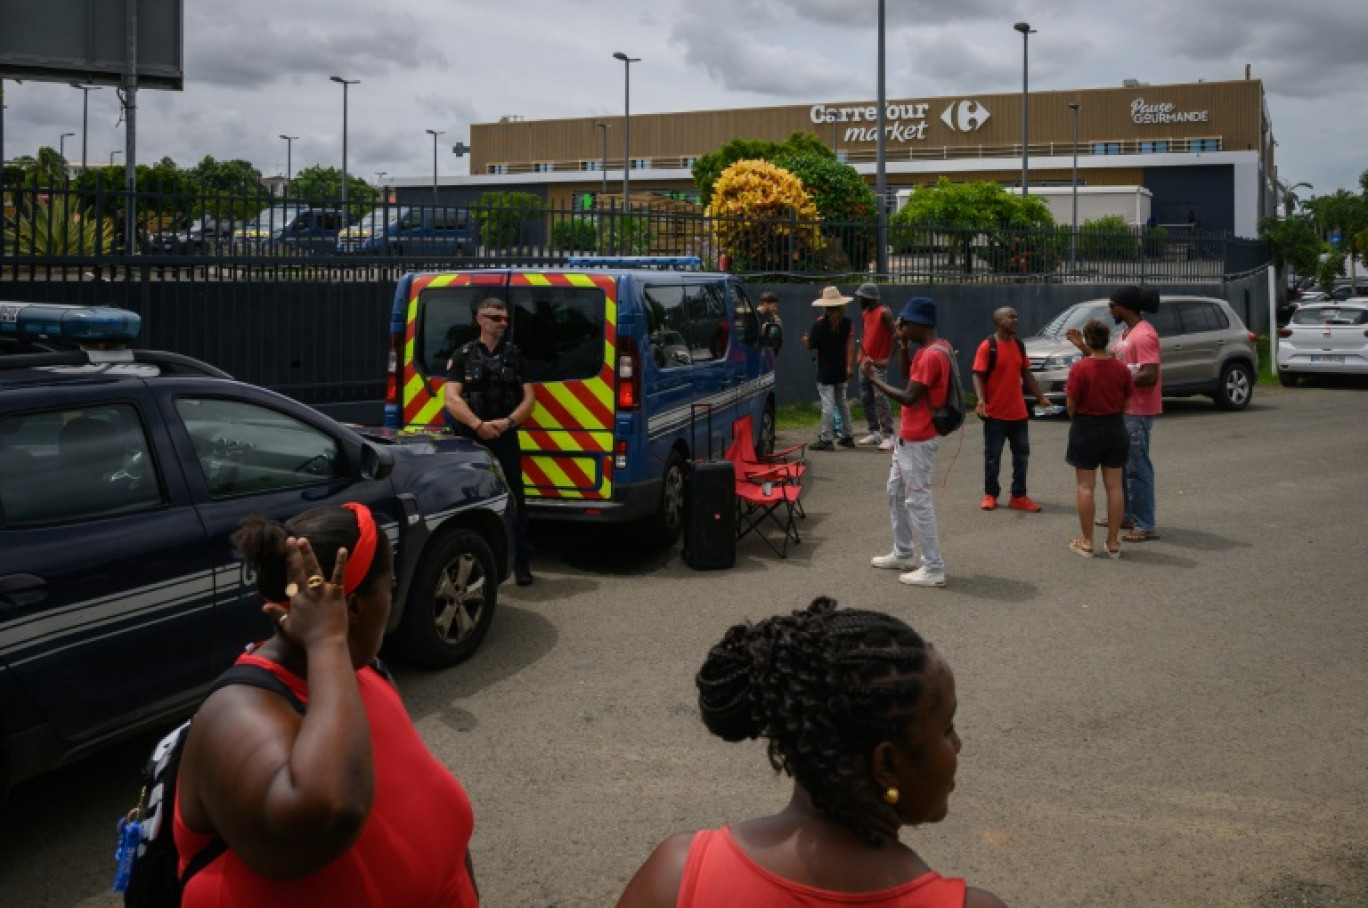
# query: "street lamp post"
{"type": "Point", "coordinates": [603, 189]}
{"type": "Point", "coordinates": [345, 83]}
{"type": "Point", "coordinates": [111, 156]}
{"type": "Point", "coordinates": [626, 123]}
{"type": "Point", "coordinates": [1073, 235]}
{"type": "Point", "coordinates": [61, 153]}
{"type": "Point", "coordinates": [85, 117]}
{"type": "Point", "coordinates": [434, 133]}
{"type": "Point", "coordinates": [880, 161]}
{"type": "Point", "coordinates": [289, 159]}
{"type": "Point", "coordinates": [1026, 32]}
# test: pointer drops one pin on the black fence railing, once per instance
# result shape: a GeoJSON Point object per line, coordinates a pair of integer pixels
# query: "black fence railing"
{"type": "Point", "coordinates": [78, 233]}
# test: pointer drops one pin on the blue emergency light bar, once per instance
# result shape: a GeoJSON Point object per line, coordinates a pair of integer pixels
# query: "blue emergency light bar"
{"type": "Point", "coordinates": [671, 262]}
{"type": "Point", "coordinates": [72, 324]}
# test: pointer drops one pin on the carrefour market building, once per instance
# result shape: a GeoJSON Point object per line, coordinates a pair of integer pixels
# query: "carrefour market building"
{"type": "Point", "coordinates": [1203, 150]}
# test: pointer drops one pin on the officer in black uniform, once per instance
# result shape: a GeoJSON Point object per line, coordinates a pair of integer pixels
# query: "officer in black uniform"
{"type": "Point", "coordinates": [488, 398]}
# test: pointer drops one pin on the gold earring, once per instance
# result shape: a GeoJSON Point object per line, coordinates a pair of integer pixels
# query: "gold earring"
{"type": "Point", "coordinates": [891, 796]}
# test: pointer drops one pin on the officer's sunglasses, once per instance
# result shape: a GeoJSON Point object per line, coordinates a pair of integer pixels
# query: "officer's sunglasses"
{"type": "Point", "coordinates": [495, 318]}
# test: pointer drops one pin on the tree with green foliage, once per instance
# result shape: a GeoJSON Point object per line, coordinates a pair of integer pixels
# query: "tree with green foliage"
{"type": "Point", "coordinates": [764, 218]}
{"type": "Point", "coordinates": [1294, 243]}
{"type": "Point", "coordinates": [708, 168]}
{"type": "Point", "coordinates": [502, 215]}
{"type": "Point", "coordinates": [322, 186]}
{"type": "Point", "coordinates": [844, 202]}
{"type": "Point", "coordinates": [1019, 231]}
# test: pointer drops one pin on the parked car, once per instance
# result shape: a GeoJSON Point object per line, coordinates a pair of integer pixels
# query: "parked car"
{"type": "Point", "coordinates": [1324, 338]}
{"type": "Point", "coordinates": [290, 229]}
{"type": "Point", "coordinates": [193, 236]}
{"type": "Point", "coordinates": [122, 475]}
{"type": "Point", "coordinates": [1204, 348]}
{"type": "Point", "coordinates": [412, 230]}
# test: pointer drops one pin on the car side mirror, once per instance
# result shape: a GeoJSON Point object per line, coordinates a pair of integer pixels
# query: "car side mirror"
{"type": "Point", "coordinates": [376, 462]}
{"type": "Point", "coordinates": [772, 335]}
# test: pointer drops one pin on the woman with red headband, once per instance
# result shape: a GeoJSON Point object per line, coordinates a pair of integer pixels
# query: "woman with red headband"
{"type": "Point", "coordinates": [339, 805]}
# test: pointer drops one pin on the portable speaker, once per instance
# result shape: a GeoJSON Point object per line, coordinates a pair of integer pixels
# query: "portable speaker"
{"type": "Point", "coordinates": [710, 515]}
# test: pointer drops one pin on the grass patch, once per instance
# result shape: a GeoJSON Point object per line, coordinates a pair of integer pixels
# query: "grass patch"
{"type": "Point", "coordinates": [1267, 372]}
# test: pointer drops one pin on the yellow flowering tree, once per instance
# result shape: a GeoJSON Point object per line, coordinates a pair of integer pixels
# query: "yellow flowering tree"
{"type": "Point", "coordinates": [763, 217]}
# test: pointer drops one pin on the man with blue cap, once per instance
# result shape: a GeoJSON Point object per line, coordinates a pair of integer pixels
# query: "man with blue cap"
{"type": "Point", "coordinates": [914, 452]}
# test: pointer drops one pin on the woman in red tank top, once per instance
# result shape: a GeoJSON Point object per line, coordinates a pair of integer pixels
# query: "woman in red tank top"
{"type": "Point", "coordinates": [859, 710]}
{"type": "Point", "coordinates": [340, 806]}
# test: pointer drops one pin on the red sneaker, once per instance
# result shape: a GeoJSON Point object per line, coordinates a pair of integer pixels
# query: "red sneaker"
{"type": "Point", "coordinates": [989, 503]}
{"type": "Point", "coordinates": [1023, 503]}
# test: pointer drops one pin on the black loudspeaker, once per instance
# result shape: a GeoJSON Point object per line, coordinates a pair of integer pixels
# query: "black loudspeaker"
{"type": "Point", "coordinates": [710, 515]}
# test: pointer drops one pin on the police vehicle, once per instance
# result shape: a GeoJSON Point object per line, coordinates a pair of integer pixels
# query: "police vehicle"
{"type": "Point", "coordinates": [638, 364]}
{"type": "Point", "coordinates": [122, 474]}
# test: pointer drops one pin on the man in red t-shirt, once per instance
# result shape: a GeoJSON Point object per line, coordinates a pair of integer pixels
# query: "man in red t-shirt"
{"type": "Point", "coordinates": [1002, 407]}
{"type": "Point", "coordinates": [877, 344]}
{"type": "Point", "coordinates": [909, 478]}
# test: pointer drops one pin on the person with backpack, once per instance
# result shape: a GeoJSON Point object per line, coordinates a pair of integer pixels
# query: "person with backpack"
{"type": "Point", "coordinates": [1001, 368]}
{"type": "Point", "coordinates": [931, 374]}
{"type": "Point", "coordinates": [342, 805]}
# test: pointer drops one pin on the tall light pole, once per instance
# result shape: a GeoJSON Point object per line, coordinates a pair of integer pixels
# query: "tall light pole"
{"type": "Point", "coordinates": [61, 153]}
{"type": "Point", "coordinates": [345, 83]}
{"type": "Point", "coordinates": [111, 156]}
{"type": "Point", "coordinates": [85, 117]}
{"type": "Point", "coordinates": [626, 123]}
{"type": "Point", "coordinates": [434, 133]}
{"type": "Point", "coordinates": [1026, 32]}
{"type": "Point", "coordinates": [1073, 236]}
{"type": "Point", "coordinates": [289, 159]}
{"type": "Point", "coordinates": [603, 190]}
{"type": "Point", "coordinates": [880, 162]}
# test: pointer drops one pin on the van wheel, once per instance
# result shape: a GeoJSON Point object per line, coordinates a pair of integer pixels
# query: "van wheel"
{"type": "Point", "coordinates": [451, 601]}
{"type": "Point", "coordinates": [1235, 388]}
{"type": "Point", "coordinates": [1287, 379]}
{"type": "Point", "coordinates": [668, 521]}
{"type": "Point", "coordinates": [766, 442]}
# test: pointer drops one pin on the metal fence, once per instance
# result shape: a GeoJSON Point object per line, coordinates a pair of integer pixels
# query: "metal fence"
{"type": "Point", "coordinates": [78, 233]}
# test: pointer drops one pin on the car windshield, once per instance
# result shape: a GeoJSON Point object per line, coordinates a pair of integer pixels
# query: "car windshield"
{"type": "Point", "coordinates": [1330, 315]}
{"type": "Point", "coordinates": [1075, 317]}
{"type": "Point", "coordinates": [271, 218]}
{"type": "Point", "coordinates": [379, 217]}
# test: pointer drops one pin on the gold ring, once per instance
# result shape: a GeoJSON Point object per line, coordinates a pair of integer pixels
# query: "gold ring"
{"type": "Point", "coordinates": [291, 590]}
{"type": "Point", "coordinates": [281, 619]}
{"type": "Point", "coordinates": [315, 581]}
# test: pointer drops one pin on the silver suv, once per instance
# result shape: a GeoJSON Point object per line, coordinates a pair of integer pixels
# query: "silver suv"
{"type": "Point", "coordinates": [1204, 348]}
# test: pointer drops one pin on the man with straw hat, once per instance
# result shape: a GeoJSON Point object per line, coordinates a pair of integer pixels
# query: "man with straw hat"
{"type": "Point", "coordinates": [832, 336]}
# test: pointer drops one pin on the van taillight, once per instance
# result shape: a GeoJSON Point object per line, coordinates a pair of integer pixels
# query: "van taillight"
{"type": "Point", "coordinates": [628, 375]}
{"type": "Point", "coordinates": [392, 369]}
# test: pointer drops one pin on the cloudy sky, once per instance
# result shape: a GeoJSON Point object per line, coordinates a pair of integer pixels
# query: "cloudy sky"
{"type": "Point", "coordinates": [257, 68]}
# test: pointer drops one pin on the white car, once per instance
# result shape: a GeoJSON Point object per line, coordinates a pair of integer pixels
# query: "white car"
{"type": "Point", "coordinates": [1324, 338]}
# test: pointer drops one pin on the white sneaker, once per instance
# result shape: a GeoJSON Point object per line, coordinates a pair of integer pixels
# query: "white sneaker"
{"type": "Point", "coordinates": [922, 577]}
{"type": "Point", "coordinates": [894, 562]}
{"type": "Point", "coordinates": [886, 444]}
{"type": "Point", "coordinates": [870, 440]}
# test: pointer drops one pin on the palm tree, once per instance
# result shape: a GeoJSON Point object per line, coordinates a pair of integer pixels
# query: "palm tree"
{"type": "Point", "coordinates": [1290, 198]}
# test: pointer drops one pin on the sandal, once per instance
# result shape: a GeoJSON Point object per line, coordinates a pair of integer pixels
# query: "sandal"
{"type": "Point", "coordinates": [1125, 524]}
{"type": "Point", "coordinates": [1114, 552]}
{"type": "Point", "coordinates": [1140, 536]}
{"type": "Point", "coordinates": [1081, 547]}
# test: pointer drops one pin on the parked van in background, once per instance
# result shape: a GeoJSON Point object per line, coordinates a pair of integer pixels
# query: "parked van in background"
{"type": "Point", "coordinates": [636, 372]}
{"type": "Point", "coordinates": [287, 229]}
{"type": "Point", "coordinates": [391, 230]}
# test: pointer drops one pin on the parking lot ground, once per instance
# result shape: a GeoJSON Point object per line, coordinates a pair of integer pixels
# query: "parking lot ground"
{"type": "Point", "coordinates": [1183, 726]}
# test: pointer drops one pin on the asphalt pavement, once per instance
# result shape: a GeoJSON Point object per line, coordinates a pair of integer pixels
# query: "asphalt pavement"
{"type": "Point", "coordinates": [1183, 726]}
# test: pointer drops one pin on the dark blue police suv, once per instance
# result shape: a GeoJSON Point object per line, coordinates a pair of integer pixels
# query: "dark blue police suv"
{"type": "Point", "coordinates": [122, 475]}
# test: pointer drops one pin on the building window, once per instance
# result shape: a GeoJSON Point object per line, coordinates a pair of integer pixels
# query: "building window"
{"type": "Point", "coordinates": [1106, 148]}
{"type": "Point", "coordinates": [690, 162]}
{"type": "Point", "coordinates": [1154, 147]}
{"type": "Point", "coordinates": [841, 157]}
{"type": "Point", "coordinates": [593, 165]}
{"type": "Point", "coordinates": [641, 163]}
{"type": "Point", "coordinates": [1204, 144]}
{"type": "Point", "coordinates": [498, 168]}
{"type": "Point", "coordinates": [545, 167]}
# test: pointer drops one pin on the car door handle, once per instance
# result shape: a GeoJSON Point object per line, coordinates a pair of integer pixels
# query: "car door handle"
{"type": "Point", "coordinates": [21, 590]}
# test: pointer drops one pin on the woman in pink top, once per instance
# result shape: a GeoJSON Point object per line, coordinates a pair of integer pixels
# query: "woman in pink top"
{"type": "Point", "coordinates": [859, 710]}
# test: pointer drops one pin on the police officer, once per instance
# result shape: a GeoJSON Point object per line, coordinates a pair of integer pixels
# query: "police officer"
{"type": "Point", "coordinates": [488, 398]}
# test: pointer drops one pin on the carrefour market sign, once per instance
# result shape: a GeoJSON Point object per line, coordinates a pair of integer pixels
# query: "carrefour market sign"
{"type": "Point", "coordinates": [1143, 113]}
{"type": "Point", "coordinates": [905, 122]}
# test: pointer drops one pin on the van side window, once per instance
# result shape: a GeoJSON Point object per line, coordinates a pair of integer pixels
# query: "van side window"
{"type": "Point", "coordinates": [694, 315]}
{"type": "Point", "coordinates": [744, 315]}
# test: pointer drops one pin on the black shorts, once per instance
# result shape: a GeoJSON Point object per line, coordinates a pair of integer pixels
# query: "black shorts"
{"type": "Point", "coordinates": [1097, 441]}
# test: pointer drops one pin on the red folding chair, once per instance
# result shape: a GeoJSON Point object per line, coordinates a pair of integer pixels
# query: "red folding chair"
{"type": "Point", "coordinates": [742, 453]}
{"type": "Point", "coordinates": [766, 494]}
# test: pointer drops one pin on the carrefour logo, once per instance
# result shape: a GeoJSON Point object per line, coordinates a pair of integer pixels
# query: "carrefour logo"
{"type": "Point", "coordinates": [965, 116]}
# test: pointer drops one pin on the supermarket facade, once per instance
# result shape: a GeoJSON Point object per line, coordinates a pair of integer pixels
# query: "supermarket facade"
{"type": "Point", "coordinates": [1203, 150]}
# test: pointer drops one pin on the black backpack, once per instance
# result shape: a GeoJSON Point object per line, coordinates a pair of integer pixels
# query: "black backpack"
{"type": "Point", "coordinates": [992, 352]}
{"type": "Point", "coordinates": [147, 856]}
{"type": "Point", "coordinates": [948, 417]}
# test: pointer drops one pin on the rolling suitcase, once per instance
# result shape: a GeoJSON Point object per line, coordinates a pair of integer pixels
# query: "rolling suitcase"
{"type": "Point", "coordinates": [709, 507]}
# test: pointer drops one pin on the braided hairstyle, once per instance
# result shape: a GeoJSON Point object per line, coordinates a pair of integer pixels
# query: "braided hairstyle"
{"type": "Point", "coordinates": [825, 687]}
{"type": "Point", "coordinates": [261, 543]}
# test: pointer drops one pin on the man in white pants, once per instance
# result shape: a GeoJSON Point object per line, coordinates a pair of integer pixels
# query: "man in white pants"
{"type": "Point", "coordinates": [909, 477]}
